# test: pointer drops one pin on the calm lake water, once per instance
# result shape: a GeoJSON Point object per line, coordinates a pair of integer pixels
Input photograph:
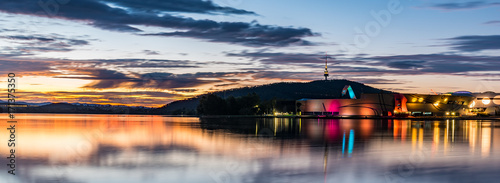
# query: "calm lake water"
{"type": "Point", "coordinates": [120, 149]}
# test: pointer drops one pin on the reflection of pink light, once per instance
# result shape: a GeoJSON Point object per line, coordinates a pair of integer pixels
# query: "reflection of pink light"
{"type": "Point", "coordinates": [332, 130]}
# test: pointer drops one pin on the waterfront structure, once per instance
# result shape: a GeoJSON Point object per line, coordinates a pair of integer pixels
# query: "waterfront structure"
{"type": "Point", "coordinates": [487, 103]}
{"type": "Point", "coordinates": [366, 105]}
{"type": "Point", "coordinates": [395, 104]}
{"type": "Point", "coordinates": [450, 104]}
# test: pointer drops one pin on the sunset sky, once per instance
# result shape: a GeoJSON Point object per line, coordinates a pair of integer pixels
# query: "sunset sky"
{"type": "Point", "coordinates": [152, 52]}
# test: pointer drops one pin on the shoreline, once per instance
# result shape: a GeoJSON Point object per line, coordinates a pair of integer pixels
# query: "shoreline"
{"type": "Point", "coordinates": [302, 116]}
{"type": "Point", "coordinates": [358, 117]}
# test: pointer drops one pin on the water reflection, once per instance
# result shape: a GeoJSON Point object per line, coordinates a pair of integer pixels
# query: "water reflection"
{"type": "Point", "coordinates": [107, 148]}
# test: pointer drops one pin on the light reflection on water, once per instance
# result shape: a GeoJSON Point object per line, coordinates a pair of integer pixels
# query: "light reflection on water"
{"type": "Point", "coordinates": [117, 148]}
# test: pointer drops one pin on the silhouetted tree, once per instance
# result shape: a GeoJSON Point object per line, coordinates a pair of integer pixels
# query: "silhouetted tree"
{"type": "Point", "coordinates": [233, 106]}
{"type": "Point", "coordinates": [212, 104]}
{"type": "Point", "coordinates": [249, 104]}
{"type": "Point", "coordinates": [268, 106]}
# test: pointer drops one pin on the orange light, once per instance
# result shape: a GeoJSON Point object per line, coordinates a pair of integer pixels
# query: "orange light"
{"type": "Point", "coordinates": [472, 104]}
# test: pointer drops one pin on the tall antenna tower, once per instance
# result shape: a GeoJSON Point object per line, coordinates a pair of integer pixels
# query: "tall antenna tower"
{"type": "Point", "coordinates": [326, 67]}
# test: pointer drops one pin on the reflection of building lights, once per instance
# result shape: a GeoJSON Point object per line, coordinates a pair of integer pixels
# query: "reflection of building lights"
{"type": "Point", "coordinates": [486, 101]}
{"type": "Point", "coordinates": [414, 100]}
{"type": "Point", "coordinates": [472, 104]}
{"type": "Point", "coordinates": [343, 145]}
{"type": "Point", "coordinates": [485, 141]}
{"type": "Point", "coordinates": [351, 142]}
{"type": "Point", "coordinates": [420, 99]}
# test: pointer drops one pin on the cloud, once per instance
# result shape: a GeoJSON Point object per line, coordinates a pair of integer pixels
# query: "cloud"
{"type": "Point", "coordinates": [253, 35]}
{"type": "Point", "coordinates": [150, 52]}
{"type": "Point", "coordinates": [130, 13]}
{"type": "Point", "coordinates": [8, 51]}
{"type": "Point", "coordinates": [435, 63]}
{"type": "Point", "coordinates": [108, 79]}
{"type": "Point", "coordinates": [463, 5]}
{"type": "Point", "coordinates": [146, 63]}
{"type": "Point", "coordinates": [170, 81]}
{"type": "Point", "coordinates": [53, 67]}
{"type": "Point", "coordinates": [475, 43]}
{"type": "Point", "coordinates": [285, 58]}
{"type": "Point", "coordinates": [26, 44]}
{"type": "Point", "coordinates": [366, 65]}
{"type": "Point", "coordinates": [186, 6]}
{"type": "Point", "coordinates": [36, 38]}
{"type": "Point", "coordinates": [115, 27]}
{"type": "Point", "coordinates": [24, 68]}
{"type": "Point", "coordinates": [406, 64]}
{"type": "Point", "coordinates": [493, 22]}
{"type": "Point", "coordinates": [185, 90]}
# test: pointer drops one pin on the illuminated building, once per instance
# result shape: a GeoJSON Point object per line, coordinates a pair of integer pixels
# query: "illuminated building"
{"type": "Point", "coordinates": [487, 103]}
{"type": "Point", "coordinates": [450, 104]}
{"type": "Point", "coordinates": [365, 105]}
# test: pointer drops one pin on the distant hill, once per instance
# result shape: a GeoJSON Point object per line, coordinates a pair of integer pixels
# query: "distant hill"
{"type": "Point", "coordinates": [59, 107]}
{"type": "Point", "coordinates": [281, 91]}
{"type": "Point", "coordinates": [84, 109]}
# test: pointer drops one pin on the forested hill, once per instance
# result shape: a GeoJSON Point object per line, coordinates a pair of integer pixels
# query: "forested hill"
{"type": "Point", "coordinates": [282, 91]}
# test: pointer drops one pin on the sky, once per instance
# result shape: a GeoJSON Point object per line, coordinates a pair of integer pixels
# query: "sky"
{"type": "Point", "coordinates": [152, 52]}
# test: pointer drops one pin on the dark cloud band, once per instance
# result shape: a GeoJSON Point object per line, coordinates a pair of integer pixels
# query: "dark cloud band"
{"type": "Point", "coordinates": [476, 43]}
{"type": "Point", "coordinates": [464, 5]}
{"type": "Point", "coordinates": [123, 15]}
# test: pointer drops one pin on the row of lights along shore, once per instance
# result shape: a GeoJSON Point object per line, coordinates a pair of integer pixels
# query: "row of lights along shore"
{"type": "Point", "coordinates": [485, 101]}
